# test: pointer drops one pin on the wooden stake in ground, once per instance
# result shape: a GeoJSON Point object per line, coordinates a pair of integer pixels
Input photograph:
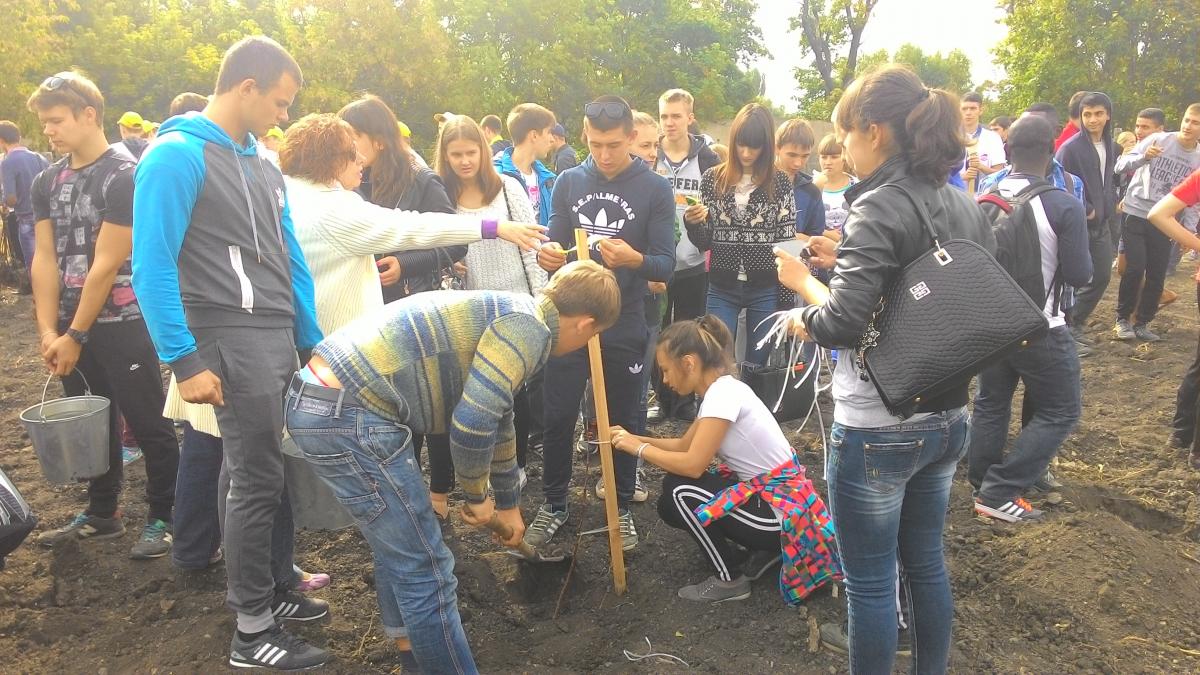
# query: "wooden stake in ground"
{"type": "Point", "coordinates": [973, 152]}
{"type": "Point", "coordinates": [600, 397]}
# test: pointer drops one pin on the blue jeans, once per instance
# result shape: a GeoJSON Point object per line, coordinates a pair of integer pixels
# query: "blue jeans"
{"type": "Point", "coordinates": [888, 491]}
{"type": "Point", "coordinates": [1050, 370]}
{"type": "Point", "coordinates": [726, 302]}
{"type": "Point", "coordinates": [369, 463]}
{"type": "Point", "coordinates": [25, 234]}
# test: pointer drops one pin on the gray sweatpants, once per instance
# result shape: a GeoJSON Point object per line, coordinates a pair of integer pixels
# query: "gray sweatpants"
{"type": "Point", "coordinates": [254, 365]}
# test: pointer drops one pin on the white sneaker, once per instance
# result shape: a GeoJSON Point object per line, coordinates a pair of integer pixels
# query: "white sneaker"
{"type": "Point", "coordinates": [640, 494]}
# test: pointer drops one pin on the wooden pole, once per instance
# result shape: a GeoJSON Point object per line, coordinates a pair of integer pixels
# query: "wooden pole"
{"type": "Point", "coordinates": [600, 396]}
{"type": "Point", "coordinates": [972, 151]}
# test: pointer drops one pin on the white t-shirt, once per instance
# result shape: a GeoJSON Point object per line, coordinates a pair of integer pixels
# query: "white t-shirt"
{"type": "Point", "coordinates": [1103, 152]}
{"type": "Point", "coordinates": [533, 189]}
{"type": "Point", "coordinates": [990, 148]}
{"type": "Point", "coordinates": [1009, 187]}
{"type": "Point", "coordinates": [742, 192]}
{"type": "Point", "coordinates": [754, 444]}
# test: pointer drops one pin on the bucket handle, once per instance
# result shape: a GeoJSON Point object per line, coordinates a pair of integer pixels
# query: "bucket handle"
{"type": "Point", "coordinates": [87, 389]}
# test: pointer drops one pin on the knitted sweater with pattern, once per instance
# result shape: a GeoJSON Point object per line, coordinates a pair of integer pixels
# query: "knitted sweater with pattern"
{"type": "Point", "coordinates": [450, 361]}
{"type": "Point", "coordinates": [741, 240]}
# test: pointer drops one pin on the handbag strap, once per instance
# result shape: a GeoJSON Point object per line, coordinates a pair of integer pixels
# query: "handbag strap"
{"type": "Point", "coordinates": [922, 214]}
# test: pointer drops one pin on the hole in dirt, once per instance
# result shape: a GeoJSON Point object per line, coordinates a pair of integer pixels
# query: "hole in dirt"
{"type": "Point", "coordinates": [542, 582]}
{"type": "Point", "coordinates": [1128, 509]}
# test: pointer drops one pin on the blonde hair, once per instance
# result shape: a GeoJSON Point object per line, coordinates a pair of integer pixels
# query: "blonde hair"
{"type": "Point", "coordinates": [677, 95]}
{"type": "Point", "coordinates": [644, 119]}
{"type": "Point", "coordinates": [584, 288]}
{"type": "Point", "coordinates": [722, 151]}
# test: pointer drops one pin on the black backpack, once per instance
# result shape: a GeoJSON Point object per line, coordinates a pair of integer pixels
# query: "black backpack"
{"type": "Point", "coordinates": [16, 519]}
{"type": "Point", "coordinates": [1018, 248]}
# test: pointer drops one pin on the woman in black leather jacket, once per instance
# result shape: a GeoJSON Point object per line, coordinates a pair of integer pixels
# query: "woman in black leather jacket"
{"type": "Point", "coordinates": [889, 479]}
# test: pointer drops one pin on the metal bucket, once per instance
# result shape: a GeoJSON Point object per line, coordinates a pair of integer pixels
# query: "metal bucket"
{"type": "Point", "coordinates": [69, 435]}
{"type": "Point", "coordinates": [313, 505]}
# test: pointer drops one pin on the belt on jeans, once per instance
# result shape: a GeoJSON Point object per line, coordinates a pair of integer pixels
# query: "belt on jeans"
{"type": "Point", "coordinates": [338, 397]}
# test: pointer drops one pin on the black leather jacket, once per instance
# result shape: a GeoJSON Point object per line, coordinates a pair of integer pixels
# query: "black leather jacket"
{"type": "Point", "coordinates": [881, 236]}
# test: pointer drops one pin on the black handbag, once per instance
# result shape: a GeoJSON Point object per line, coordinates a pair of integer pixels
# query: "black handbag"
{"type": "Point", "coordinates": [951, 313]}
{"type": "Point", "coordinates": [775, 381]}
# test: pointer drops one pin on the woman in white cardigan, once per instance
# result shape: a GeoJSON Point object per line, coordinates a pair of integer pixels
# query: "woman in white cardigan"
{"type": "Point", "coordinates": [339, 233]}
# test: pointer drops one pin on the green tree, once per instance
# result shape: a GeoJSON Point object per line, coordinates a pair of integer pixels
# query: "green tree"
{"type": "Point", "coordinates": [951, 72]}
{"type": "Point", "coordinates": [1140, 52]}
{"type": "Point", "coordinates": [30, 38]}
{"type": "Point", "coordinates": [832, 35]}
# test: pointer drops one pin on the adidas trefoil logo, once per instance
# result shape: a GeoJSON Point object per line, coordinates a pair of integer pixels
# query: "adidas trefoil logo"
{"type": "Point", "coordinates": [601, 225]}
{"type": "Point", "coordinates": [636, 368]}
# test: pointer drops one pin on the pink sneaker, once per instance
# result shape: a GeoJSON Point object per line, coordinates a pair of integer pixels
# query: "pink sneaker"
{"type": "Point", "coordinates": [311, 582]}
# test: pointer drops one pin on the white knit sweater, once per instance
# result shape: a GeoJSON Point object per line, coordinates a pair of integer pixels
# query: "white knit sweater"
{"type": "Point", "coordinates": [340, 233]}
{"type": "Point", "coordinates": [498, 265]}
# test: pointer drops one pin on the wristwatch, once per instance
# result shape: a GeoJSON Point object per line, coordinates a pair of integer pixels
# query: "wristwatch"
{"type": "Point", "coordinates": [79, 336]}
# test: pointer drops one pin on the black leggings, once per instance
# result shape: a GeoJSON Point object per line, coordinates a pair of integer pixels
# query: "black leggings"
{"type": "Point", "coordinates": [753, 525]}
{"type": "Point", "coordinates": [441, 466]}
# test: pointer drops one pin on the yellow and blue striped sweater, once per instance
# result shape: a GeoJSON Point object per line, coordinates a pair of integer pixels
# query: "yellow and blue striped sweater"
{"type": "Point", "coordinates": [450, 361]}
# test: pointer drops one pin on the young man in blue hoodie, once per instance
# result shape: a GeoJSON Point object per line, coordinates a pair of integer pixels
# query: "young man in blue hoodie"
{"type": "Point", "coordinates": [532, 128]}
{"type": "Point", "coordinates": [629, 211]}
{"type": "Point", "coordinates": [1091, 154]}
{"type": "Point", "coordinates": [228, 299]}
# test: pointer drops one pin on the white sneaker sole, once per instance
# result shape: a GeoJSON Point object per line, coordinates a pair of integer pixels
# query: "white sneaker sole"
{"type": "Point", "coordinates": [985, 510]}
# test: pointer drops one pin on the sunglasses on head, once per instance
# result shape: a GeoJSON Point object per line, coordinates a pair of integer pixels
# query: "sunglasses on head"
{"type": "Point", "coordinates": [614, 111]}
{"type": "Point", "coordinates": [56, 82]}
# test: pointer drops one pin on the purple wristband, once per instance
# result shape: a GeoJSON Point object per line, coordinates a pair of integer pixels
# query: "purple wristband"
{"type": "Point", "coordinates": [489, 228]}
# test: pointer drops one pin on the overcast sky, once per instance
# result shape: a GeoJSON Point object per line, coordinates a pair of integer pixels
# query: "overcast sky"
{"type": "Point", "coordinates": [933, 25]}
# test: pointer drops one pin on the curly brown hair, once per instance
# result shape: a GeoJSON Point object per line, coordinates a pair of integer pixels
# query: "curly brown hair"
{"type": "Point", "coordinates": [317, 148]}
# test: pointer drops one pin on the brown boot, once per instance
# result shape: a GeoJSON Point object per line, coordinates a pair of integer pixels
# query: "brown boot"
{"type": "Point", "coordinates": [1168, 296]}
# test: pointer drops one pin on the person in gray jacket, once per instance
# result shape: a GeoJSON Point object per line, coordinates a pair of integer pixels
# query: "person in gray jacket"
{"type": "Point", "coordinates": [1160, 162]}
{"type": "Point", "coordinates": [228, 298]}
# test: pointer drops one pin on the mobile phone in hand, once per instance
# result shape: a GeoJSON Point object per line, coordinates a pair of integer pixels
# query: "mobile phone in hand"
{"type": "Point", "coordinates": [795, 248]}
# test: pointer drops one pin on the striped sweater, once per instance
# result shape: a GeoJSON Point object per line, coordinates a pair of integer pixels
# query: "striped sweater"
{"type": "Point", "coordinates": [450, 361]}
{"type": "Point", "coordinates": [338, 232]}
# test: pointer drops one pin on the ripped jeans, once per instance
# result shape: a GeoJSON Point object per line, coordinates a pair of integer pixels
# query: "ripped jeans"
{"type": "Point", "coordinates": [369, 463]}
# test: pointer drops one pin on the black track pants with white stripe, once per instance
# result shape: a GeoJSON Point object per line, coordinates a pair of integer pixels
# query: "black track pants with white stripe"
{"type": "Point", "coordinates": [753, 525]}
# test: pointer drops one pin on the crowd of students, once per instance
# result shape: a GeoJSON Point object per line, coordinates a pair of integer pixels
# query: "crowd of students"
{"type": "Point", "coordinates": [312, 280]}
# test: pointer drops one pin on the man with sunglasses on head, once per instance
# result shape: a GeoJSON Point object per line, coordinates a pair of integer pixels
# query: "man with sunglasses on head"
{"type": "Point", "coordinates": [228, 298]}
{"type": "Point", "coordinates": [629, 212]}
{"type": "Point", "coordinates": [87, 316]}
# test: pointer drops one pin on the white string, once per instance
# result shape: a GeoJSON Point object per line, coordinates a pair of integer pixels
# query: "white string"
{"type": "Point", "coordinates": [652, 654]}
{"type": "Point", "coordinates": [779, 332]}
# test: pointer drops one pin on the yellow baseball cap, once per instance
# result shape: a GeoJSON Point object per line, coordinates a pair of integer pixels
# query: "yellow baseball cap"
{"type": "Point", "coordinates": [148, 126]}
{"type": "Point", "coordinates": [131, 120]}
{"type": "Point", "coordinates": [404, 130]}
{"type": "Point", "coordinates": [275, 132]}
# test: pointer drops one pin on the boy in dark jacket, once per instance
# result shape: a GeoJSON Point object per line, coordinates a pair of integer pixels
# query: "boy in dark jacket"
{"type": "Point", "coordinates": [1091, 155]}
{"type": "Point", "coordinates": [628, 211]}
{"type": "Point", "coordinates": [1049, 368]}
{"type": "Point", "coordinates": [793, 147]}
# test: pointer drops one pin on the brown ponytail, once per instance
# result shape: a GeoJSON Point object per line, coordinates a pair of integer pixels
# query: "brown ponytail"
{"type": "Point", "coordinates": [707, 337]}
{"type": "Point", "coordinates": [926, 124]}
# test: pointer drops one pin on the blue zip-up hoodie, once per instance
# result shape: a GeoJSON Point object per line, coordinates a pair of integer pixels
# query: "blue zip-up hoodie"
{"type": "Point", "coordinates": [216, 245]}
{"type": "Point", "coordinates": [546, 179]}
{"type": "Point", "coordinates": [638, 206]}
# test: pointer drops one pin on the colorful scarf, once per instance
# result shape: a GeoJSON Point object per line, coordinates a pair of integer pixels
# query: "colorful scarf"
{"type": "Point", "coordinates": [810, 557]}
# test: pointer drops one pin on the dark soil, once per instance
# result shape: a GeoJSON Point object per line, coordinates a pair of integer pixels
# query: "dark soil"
{"type": "Point", "coordinates": [1108, 584]}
